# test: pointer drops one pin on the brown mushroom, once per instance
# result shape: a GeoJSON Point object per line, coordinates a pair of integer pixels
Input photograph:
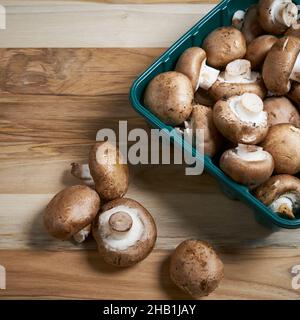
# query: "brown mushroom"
{"type": "Point", "coordinates": [258, 49]}
{"type": "Point", "coordinates": [224, 45]}
{"type": "Point", "coordinates": [283, 141]}
{"type": "Point", "coordinates": [125, 232]}
{"type": "Point", "coordinates": [192, 63]}
{"type": "Point", "coordinates": [251, 27]}
{"type": "Point", "coordinates": [169, 96]}
{"type": "Point", "coordinates": [71, 211]}
{"type": "Point", "coordinates": [294, 93]}
{"type": "Point", "coordinates": [236, 80]}
{"type": "Point", "coordinates": [281, 65]}
{"type": "Point", "coordinates": [238, 19]}
{"type": "Point", "coordinates": [281, 110]}
{"type": "Point", "coordinates": [281, 194]}
{"type": "Point", "coordinates": [241, 119]}
{"type": "Point", "coordinates": [204, 98]}
{"type": "Point", "coordinates": [294, 30]}
{"type": "Point", "coordinates": [276, 16]}
{"type": "Point", "coordinates": [109, 171]}
{"type": "Point", "coordinates": [196, 268]}
{"type": "Point", "coordinates": [247, 165]}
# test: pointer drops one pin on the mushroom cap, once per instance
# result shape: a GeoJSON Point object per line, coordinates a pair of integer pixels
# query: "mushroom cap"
{"type": "Point", "coordinates": [169, 96]}
{"type": "Point", "coordinates": [204, 98]}
{"type": "Point", "coordinates": [196, 268]}
{"type": "Point", "coordinates": [202, 118]}
{"type": "Point", "coordinates": [109, 172]}
{"type": "Point", "coordinates": [277, 75]}
{"type": "Point", "coordinates": [224, 45]}
{"type": "Point", "coordinates": [248, 170]}
{"type": "Point", "coordinates": [258, 49]}
{"type": "Point", "coordinates": [283, 141]}
{"type": "Point", "coordinates": [251, 27]}
{"type": "Point", "coordinates": [294, 30]}
{"type": "Point", "coordinates": [134, 253]}
{"type": "Point", "coordinates": [281, 110]}
{"type": "Point", "coordinates": [236, 130]}
{"type": "Point", "coordinates": [190, 63]}
{"type": "Point", "coordinates": [294, 93]}
{"type": "Point", "coordinates": [70, 211]}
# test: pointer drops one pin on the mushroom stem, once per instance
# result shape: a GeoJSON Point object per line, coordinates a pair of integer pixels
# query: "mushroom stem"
{"type": "Point", "coordinates": [120, 222]}
{"type": "Point", "coordinates": [82, 235]}
{"type": "Point", "coordinates": [284, 206]}
{"type": "Point", "coordinates": [237, 71]}
{"type": "Point", "coordinates": [295, 75]}
{"type": "Point", "coordinates": [250, 153]}
{"type": "Point", "coordinates": [238, 19]}
{"type": "Point", "coordinates": [285, 12]}
{"type": "Point", "coordinates": [207, 76]}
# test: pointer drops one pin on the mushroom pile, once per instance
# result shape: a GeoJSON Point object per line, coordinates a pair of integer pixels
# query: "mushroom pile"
{"type": "Point", "coordinates": [242, 87]}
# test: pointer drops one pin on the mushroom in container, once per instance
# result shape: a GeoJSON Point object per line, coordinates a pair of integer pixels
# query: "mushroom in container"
{"type": "Point", "coordinates": [236, 80]}
{"type": "Point", "coordinates": [241, 119]}
{"type": "Point", "coordinates": [281, 194]}
{"type": "Point", "coordinates": [276, 16]}
{"type": "Point", "coordinates": [251, 28]}
{"type": "Point", "coordinates": [282, 65]}
{"type": "Point", "coordinates": [294, 93]}
{"type": "Point", "coordinates": [71, 212]}
{"type": "Point", "coordinates": [224, 45]}
{"type": "Point", "coordinates": [196, 268]}
{"type": "Point", "coordinates": [170, 96]}
{"type": "Point", "coordinates": [248, 165]}
{"type": "Point", "coordinates": [283, 141]}
{"type": "Point", "coordinates": [125, 232]}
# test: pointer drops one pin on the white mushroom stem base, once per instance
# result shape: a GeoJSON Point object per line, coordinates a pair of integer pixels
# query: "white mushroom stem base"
{"type": "Point", "coordinates": [82, 235]}
{"type": "Point", "coordinates": [295, 75]}
{"type": "Point", "coordinates": [251, 153]}
{"type": "Point", "coordinates": [285, 12]}
{"type": "Point", "coordinates": [238, 71]}
{"type": "Point", "coordinates": [285, 205]}
{"type": "Point", "coordinates": [238, 19]}
{"type": "Point", "coordinates": [207, 76]}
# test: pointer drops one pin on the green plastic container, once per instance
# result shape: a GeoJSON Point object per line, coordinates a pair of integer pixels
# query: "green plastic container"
{"type": "Point", "coordinates": [221, 15]}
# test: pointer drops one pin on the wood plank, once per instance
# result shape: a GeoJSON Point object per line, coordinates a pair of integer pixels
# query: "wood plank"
{"type": "Point", "coordinates": [249, 274]}
{"type": "Point", "coordinates": [91, 24]}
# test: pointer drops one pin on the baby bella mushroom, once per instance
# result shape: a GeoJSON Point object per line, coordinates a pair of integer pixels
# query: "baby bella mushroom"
{"type": "Point", "coordinates": [238, 19]}
{"type": "Point", "coordinates": [294, 30]}
{"type": "Point", "coordinates": [276, 16]}
{"type": "Point", "coordinates": [294, 93]}
{"type": "Point", "coordinates": [251, 28]}
{"type": "Point", "coordinates": [125, 232]}
{"type": "Point", "coordinates": [283, 141]}
{"type": "Point", "coordinates": [247, 165]}
{"type": "Point", "coordinates": [241, 119]}
{"type": "Point", "coordinates": [281, 194]}
{"type": "Point", "coordinates": [236, 80]}
{"type": "Point", "coordinates": [196, 268]}
{"type": "Point", "coordinates": [192, 63]}
{"type": "Point", "coordinates": [169, 96]}
{"type": "Point", "coordinates": [282, 65]}
{"type": "Point", "coordinates": [71, 212]}
{"type": "Point", "coordinates": [224, 45]}
{"type": "Point", "coordinates": [108, 170]}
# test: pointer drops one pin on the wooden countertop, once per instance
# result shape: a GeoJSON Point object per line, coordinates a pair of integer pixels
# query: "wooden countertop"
{"type": "Point", "coordinates": [52, 103]}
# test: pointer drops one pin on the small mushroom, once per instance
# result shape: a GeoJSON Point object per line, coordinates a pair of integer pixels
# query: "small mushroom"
{"type": "Point", "coordinates": [109, 171]}
{"type": "Point", "coordinates": [196, 268]}
{"type": "Point", "coordinates": [71, 212]}
{"type": "Point", "coordinates": [238, 19]}
{"type": "Point", "coordinates": [281, 65]}
{"type": "Point", "coordinates": [202, 118]}
{"type": "Point", "coordinates": [276, 16]}
{"type": "Point", "coordinates": [236, 80]}
{"type": "Point", "coordinates": [281, 194]}
{"type": "Point", "coordinates": [192, 63]}
{"type": "Point", "coordinates": [125, 232]}
{"type": "Point", "coordinates": [251, 27]}
{"type": "Point", "coordinates": [224, 45]}
{"type": "Point", "coordinates": [258, 49]}
{"type": "Point", "coordinates": [247, 165]}
{"type": "Point", "coordinates": [169, 96]}
{"type": "Point", "coordinates": [242, 119]}
{"type": "Point", "coordinates": [281, 110]}
{"type": "Point", "coordinates": [283, 141]}
{"type": "Point", "coordinates": [294, 93]}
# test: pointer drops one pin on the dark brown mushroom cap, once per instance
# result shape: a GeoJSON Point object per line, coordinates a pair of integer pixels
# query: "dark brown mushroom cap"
{"type": "Point", "coordinates": [135, 253]}
{"type": "Point", "coordinates": [251, 27]}
{"type": "Point", "coordinates": [204, 98]}
{"type": "Point", "coordinates": [283, 141]}
{"type": "Point", "coordinates": [196, 268]}
{"type": "Point", "coordinates": [249, 173]}
{"type": "Point", "coordinates": [202, 118]}
{"type": "Point", "coordinates": [224, 45]}
{"type": "Point", "coordinates": [258, 49]}
{"type": "Point", "coordinates": [281, 110]}
{"type": "Point", "coordinates": [294, 93]}
{"type": "Point", "coordinates": [169, 96]}
{"type": "Point", "coordinates": [277, 186]}
{"type": "Point", "coordinates": [70, 211]}
{"type": "Point", "coordinates": [279, 64]}
{"type": "Point", "coordinates": [109, 172]}
{"type": "Point", "coordinates": [224, 90]}
{"type": "Point", "coordinates": [190, 63]}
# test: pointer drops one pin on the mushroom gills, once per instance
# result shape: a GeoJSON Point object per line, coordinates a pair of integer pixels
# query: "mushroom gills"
{"type": "Point", "coordinates": [285, 12]}
{"type": "Point", "coordinates": [251, 153]}
{"type": "Point", "coordinates": [287, 204]}
{"type": "Point", "coordinates": [207, 76]}
{"type": "Point", "coordinates": [121, 227]}
{"type": "Point", "coordinates": [295, 75]}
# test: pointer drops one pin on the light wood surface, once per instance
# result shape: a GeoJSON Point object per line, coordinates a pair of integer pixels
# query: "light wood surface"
{"type": "Point", "coordinates": [52, 102]}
